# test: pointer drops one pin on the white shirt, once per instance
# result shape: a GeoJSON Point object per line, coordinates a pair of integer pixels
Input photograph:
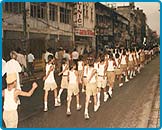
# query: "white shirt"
{"type": "Point", "coordinates": [13, 66]}
{"type": "Point", "coordinates": [101, 69]}
{"type": "Point", "coordinates": [75, 55]}
{"type": "Point", "coordinates": [72, 77]}
{"type": "Point", "coordinates": [67, 56]}
{"type": "Point", "coordinates": [63, 68]}
{"type": "Point", "coordinates": [93, 79]}
{"type": "Point", "coordinates": [123, 60]}
{"type": "Point", "coordinates": [110, 65]}
{"type": "Point", "coordinates": [50, 78]}
{"type": "Point", "coordinates": [3, 67]}
{"type": "Point", "coordinates": [46, 56]}
{"type": "Point", "coordinates": [80, 65]}
{"type": "Point", "coordinates": [117, 62]}
{"type": "Point", "coordinates": [130, 57]}
{"type": "Point", "coordinates": [31, 57]}
{"type": "Point", "coordinates": [9, 101]}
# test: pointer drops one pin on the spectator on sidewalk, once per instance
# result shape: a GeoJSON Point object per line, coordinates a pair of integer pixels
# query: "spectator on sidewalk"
{"type": "Point", "coordinates": [30, 59]}
{"type": "Point", "coordinates": [48, 52]}
{"type": "Point", "coordinates": [75, 56]}
{"type": "Point", "coordinates": [13, 66]}
{"type": "Point", "coordinates": [67, 55]}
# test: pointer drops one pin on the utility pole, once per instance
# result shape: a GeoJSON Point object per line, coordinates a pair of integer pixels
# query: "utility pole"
{"type": "Point", "coordinates": [24, 28]}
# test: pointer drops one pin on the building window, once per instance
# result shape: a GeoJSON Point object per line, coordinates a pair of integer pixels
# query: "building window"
{"type": "Point", "coordinates": [13, 7]}
{"type": "Point", "coordinates": [92, 14]}
{"type": "Point", "coordinates": [38, 10]}
{"type": "Point", "coordinates": [53, 12]}
{"type": "Point", "coordinates": [65, 15]}
{"type": "Point", "coordinates": [87, 11]}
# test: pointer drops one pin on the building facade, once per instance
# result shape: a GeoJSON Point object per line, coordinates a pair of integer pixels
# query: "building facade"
{"type": "Point", "coordinates": [112, 28]}
{"type": "Point", "coordinates": [137, 20]}
{"type": "Point", "coordinates": [84, 25]}
{"type": "Point", "coordinates": [34, 25]}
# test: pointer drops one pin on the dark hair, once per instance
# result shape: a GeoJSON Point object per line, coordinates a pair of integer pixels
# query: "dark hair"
{"type": "Point", "coordinates": [50, 57]}
{"type": "Point", "coordinates": [111, 56]}
{"type": "Point", "coordinates": [102, 58]}
{"type": "Point", "coordinates": [117, 55]}
{"type": "Point", "coordinates": [91, 62]}
{"type": "Point", "coordinates": [64, 60]}
{"type": "Point", "coordinates": [80, 57]}
{"type": "Point", "coordinates": [71, 65]}
{"type": "Point", "coordinates": [124, 52]}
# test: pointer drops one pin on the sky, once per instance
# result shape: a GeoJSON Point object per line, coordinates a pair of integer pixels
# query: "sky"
{"type": "Point", "coordinates": [151, 9]}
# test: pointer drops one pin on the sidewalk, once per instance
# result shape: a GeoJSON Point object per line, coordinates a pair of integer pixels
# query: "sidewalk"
{"type": "Point", "coordinates": [154, 119]}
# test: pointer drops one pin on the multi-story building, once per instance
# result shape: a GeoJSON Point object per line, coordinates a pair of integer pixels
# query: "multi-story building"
{"type": "Point", "coordinates": [111, 27]}
{"type": "Point", "coordinates": [36, 25]}
{"type": "Point", "coordinates": [84, 24]}
{"type": "Point", "coordinates": [137, 22]}
{"type": "Point", "coordinates": [121, 30]}
{"type": "Point", "coordinates": [104, 25]}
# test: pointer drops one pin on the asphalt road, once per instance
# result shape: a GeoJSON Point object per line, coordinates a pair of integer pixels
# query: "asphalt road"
{"type": "Point", "coordinates": [123, 110]}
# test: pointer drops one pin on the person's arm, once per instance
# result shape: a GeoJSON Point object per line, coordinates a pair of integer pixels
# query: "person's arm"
{"type": "Point", "coordinates": [3, 93]}
{"type": "Point", "coordinates": [93, 73]}
{"type": "Point", "coordinates": [26, 94]}
{"type": "Point", "coordinates": [63, 70]}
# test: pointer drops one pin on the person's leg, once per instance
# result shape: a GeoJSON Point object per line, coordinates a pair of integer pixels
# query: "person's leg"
{"type": "Point", "coordinates": [78, 102]}
{"type": "Point", "coordinates": [86, 116]}
{"type": "Point", "coordinates": [59, 94]}
{"type": "Point", "coordinates": [45, 100]}
{"type": "Point", "coordinates": [68, 112]}
{"type": "Point", "coordinates": [56, 100]}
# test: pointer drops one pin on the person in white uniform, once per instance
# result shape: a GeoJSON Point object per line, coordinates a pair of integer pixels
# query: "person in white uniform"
{"type": "Point", "coordinates": [64, 73]}
{"type": "Point", "coordinates": [13, 66]}
{"type": "Point", "coordinates": [101, 80]}
{"type": "Point", "coordinates": [91, 88]}
{"type": "Point", "coordinates": [73, 88]}
{"type": "Point", "coordinates": [50, 83]}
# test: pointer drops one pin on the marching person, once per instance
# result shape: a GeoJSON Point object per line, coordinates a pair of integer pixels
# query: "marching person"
{"type": "Point", "coordinates": [10, 94]}
{"type": "Point", "coordinates": [64, 73]}
{"type": "Point", "coordinates": [73, 88]}
{"type": "Point", "coordinates": [101, 80]}
{"type": "Point", "coordinates": [80, 72]}
{"type": "Point", "coordinates": [123, 65]}
{"type": "Point", "coordinates": [130, 63]}
{"type": "Point", "coordinates": [118, 71]}
{"type": "Point", "coordinates": [110, 65]}
{"type": "Point", "coordinates": [50, 83]}
{"type": "Point", "coordinates": [91, 88]}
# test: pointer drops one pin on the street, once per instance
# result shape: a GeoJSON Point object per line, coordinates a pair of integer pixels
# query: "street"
{"type": "Point", "coordinates": [123, 110]}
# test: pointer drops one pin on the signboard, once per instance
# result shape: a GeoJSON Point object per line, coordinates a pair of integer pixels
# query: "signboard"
{"type": "Point", "coordinates": [79, 14]}
{"type": "Point", "coordinates": [84, 32]}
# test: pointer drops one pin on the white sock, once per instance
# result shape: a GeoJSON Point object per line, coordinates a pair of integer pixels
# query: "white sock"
{"type": "Point", "coordinates": [55, 100]}
{"type": "Point", "coordinates": [98, 96]}
{"type": "Point", "coordinates": [78, 105]}
{"type": "Point", "coordinates": [60, 91]}
{"type": "Point", "coordinates": [68, 109]}
{"type": "Point", "coordinates": [86, 111]}
{"type": "Point", "coordinates": [45, 104]}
